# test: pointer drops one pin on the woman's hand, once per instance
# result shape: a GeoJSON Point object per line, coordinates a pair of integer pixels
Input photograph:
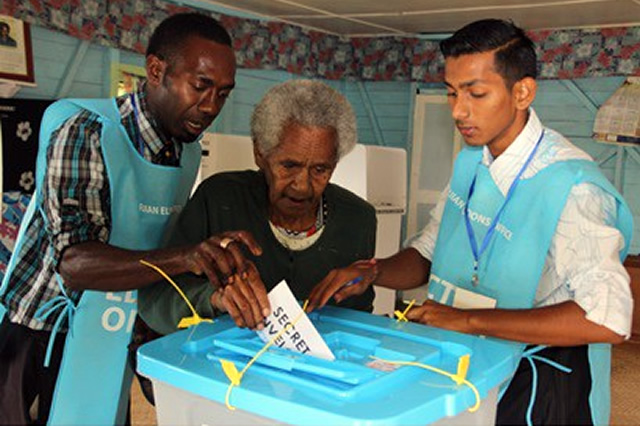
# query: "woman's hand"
{"type": "Point", "coordinates": [245, 299]}
{"type": "Point", "coordinates": [343, 283]}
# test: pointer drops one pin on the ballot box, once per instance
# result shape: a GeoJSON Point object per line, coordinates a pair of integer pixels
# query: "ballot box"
{"type": "Point", "coordinates": [359, 386]}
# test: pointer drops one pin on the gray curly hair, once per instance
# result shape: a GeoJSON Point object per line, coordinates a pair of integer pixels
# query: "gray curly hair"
{"type": "Point", "coordinates": [305, 102]}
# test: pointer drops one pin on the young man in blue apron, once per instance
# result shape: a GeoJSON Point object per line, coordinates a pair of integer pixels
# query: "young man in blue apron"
{"type": "Point", "coordinates": [526, 243]}
{"type": "Point", "coordinates": [111, 175]}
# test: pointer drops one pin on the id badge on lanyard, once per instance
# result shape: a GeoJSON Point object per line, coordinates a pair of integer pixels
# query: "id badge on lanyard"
{"type": "Point", "coordinates": [465, 299]}
{"type": "Point", "coordinates": [478, 251]}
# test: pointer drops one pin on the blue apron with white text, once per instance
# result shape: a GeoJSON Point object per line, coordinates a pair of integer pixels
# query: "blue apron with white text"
{"type": "Point", "coordinates": [94, 379]}
{"type": "Point", "coordinates": [511, 267]}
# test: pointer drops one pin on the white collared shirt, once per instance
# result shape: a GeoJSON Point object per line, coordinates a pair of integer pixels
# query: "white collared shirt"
{"type": "Point", "coordinates": [583, 262]}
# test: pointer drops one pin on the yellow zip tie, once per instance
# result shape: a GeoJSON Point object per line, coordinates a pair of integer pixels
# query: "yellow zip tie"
{"type": "Point", "coordinates": [463, 368]}
{"type": "Point", "coordinates": [455, 377]}
{"type": "Point", "coordinates": [231, 371]}
{"type": "Point", "coordinates": [401, 315]}
{"type": "Point", "coordinates": [186, 321]}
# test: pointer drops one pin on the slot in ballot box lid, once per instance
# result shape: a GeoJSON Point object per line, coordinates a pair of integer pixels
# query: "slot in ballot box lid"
{"type": "Point", "coordinates": [294, 388]}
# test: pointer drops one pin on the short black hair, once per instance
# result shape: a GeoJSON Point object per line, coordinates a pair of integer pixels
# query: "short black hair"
{"type": "Point", "coordinates": [4, 25]}
{"type": "Point", "coordinates": [169, 37]}
{"type": "Point", "coordinates": [515, 54]}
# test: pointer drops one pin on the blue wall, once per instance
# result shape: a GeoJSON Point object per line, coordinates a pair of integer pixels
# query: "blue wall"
{"type": "Point", "coordinates": [569, 107]}
{"type": "Point", "coordinates": [384, 110]}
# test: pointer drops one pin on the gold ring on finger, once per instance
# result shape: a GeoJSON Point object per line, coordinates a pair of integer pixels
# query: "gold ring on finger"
{"type": "Point", "coordinates": [224, 243]}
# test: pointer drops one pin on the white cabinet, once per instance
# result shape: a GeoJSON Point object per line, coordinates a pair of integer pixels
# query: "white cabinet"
{"type": "Point", "coordinates": [436, 142]}
{"type": "Point", "coordinates": [379, 175]}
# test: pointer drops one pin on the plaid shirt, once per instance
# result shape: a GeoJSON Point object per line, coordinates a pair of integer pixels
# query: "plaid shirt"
{"type": "Point", "coordinates": [76, 203]}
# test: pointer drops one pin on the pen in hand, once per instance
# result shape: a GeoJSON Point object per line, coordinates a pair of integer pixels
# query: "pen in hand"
{"type": "Point", "coordinates": [354, 281]}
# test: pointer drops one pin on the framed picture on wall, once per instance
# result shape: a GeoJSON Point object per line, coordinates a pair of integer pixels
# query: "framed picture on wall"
{"type": "Point", "coordinates": [125, 78]}
{"type": "Point", "coordinates": [16, 56]}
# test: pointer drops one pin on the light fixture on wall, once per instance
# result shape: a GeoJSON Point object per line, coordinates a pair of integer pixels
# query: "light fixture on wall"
{"type": "Point", "coordinates": [618, 123]}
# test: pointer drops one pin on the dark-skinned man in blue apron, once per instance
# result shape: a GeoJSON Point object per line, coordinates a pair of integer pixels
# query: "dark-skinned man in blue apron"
{"type": "Point", "coordinates": [111, 176]}
{"type": "Point", "coordinates": [526, 243]}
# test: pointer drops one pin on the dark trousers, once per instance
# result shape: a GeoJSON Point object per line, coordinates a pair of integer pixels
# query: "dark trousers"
{"type": "Point", "coordinates": [561, 398]}
{"type": "Point", "coordinates": [23, 375]}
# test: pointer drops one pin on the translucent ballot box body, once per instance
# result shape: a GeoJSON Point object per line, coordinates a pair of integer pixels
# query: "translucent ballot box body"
{"type": "Point", "coordinates": [359, 386]}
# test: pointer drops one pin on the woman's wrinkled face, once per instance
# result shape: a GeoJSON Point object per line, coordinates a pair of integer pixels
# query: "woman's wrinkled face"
{"type": "Point", "coordinates": [297, 172]}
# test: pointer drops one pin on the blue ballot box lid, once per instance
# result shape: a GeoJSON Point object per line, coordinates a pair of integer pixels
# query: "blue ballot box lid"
{"type": "Point", "coordinates": [356, 387]}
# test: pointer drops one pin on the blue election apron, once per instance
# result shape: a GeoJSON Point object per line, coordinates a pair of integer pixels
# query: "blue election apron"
{"type": "Point", "coordinates": [512, 264]}
{"type": "Point", "coordinates": [93, 382]}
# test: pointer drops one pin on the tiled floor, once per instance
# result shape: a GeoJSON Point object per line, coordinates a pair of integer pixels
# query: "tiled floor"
{"type": "Point", "coordinates": [625, 379]}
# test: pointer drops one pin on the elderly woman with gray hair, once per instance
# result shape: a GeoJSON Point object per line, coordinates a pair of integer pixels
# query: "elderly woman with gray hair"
{"type": "Point", "coordinates": [305, 225]}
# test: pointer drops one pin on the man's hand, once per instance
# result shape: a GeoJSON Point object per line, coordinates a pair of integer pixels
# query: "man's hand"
{"type": "Point", "coordinates": [245, 299]}
{"type": "Point", "coordinates": [94, 265]}
{"type": "Point", "coordinates": [442, 316]}
{"type": "Point", "coordinates": [341, 283]}
{"type": "Point", "coordinates": [220, 257]}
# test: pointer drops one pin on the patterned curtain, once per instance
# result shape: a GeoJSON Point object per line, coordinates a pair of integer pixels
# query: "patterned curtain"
{"type": "Point", "coordinates": [14, 205]}
{"type": "Point", "coordinates": [127, 25]}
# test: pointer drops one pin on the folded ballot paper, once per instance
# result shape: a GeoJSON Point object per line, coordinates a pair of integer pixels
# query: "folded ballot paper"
{"type": "Point", "coordinates": [302, 336]}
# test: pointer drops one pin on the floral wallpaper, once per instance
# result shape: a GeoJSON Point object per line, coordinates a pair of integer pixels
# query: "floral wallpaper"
{"type": "Point", "coordinates": [127, 24]}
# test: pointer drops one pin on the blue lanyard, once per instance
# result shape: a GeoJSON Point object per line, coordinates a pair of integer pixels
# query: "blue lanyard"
{"type": "Point", "coordinates": [494, 222]}
{"type": "Point", "coordinates": [137, 124]}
